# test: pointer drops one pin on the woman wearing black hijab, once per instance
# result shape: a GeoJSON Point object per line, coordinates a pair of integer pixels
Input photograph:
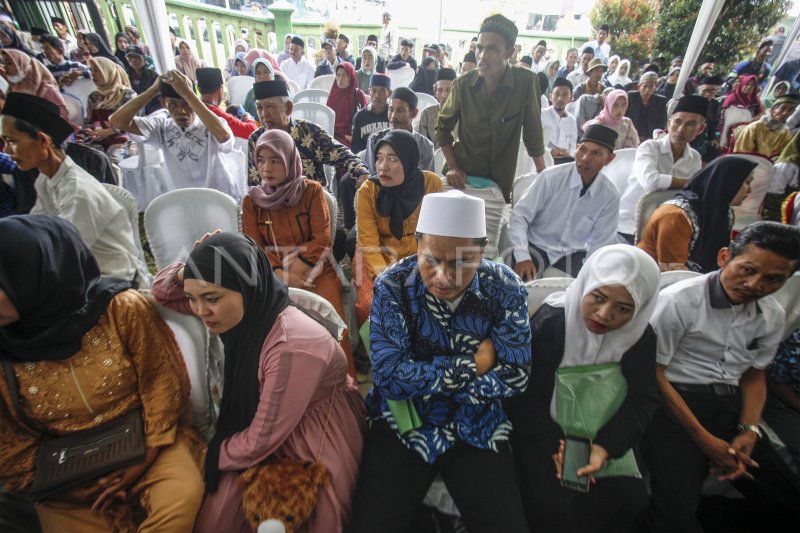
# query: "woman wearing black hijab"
{"type": "Point", "coordinates": [82, 351]}
{"type": "Point", "coordinates": [10, 39]}
{"type": "Point", "coordinates": [388, 206]}
{"type": "Point", "coordinates": [121, 38]}
{"type": "Point", "coordinates": [284, 372]}
{"type": "Point", "coordinates": [425, 77]}
{"type": "Point", "coordinates": [98, 48]}
{"type": "Point", "coordinates": [687, 232]}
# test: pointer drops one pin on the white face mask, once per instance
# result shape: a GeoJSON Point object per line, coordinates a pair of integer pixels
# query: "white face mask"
{"type": "Point", "coordinates": [16, 78]}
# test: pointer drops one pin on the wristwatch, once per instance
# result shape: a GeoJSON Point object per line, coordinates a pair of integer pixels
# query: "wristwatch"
{"type": "Point", "coordinates": [741, 428]}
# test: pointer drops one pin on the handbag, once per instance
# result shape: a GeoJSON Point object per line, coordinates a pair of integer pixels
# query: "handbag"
{"type": "Point", "coordinates": [73, 460]}
{"type": "Point", "coordinates": [287, 489]}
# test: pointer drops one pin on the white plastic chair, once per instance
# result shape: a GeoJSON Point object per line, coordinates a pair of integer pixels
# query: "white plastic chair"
{"type": "Point", "coordinates": [424, 100]}
{"type": "Point", "coordinates": [646, 207]}
{"type": "Point", "coordinates": [128, 202]}
{"type": "Point", "coordinates": [238, 87]}
{"type": "Point", "coordinates": [318, 96]}
{"type": "Point", "coordinates": [498, 213]}
{"type": "Point", "coordinates": [401, 77]}
{"type": "Point", "coordinates": [524, 161]}
{"type": "Point", "coordinates": [787, 296]}
{"type": "Point", "coordinates": [521, 185]}
{"type": "Point", "coordinates": [319, 114]}
{"type": "Point", "coordinates": [204, 357]}
{"type": "Point", "coordinates": [731, 117]}
{"type": "Point", "coordinates": [750, 210]}
{"type": "Point", "coordinates": [144, 175]}
{"type": "Point", "coordinates": [322, 82]}
{"type": "Point", "coordinates": [175, 220]}
{"type": "Point", "coordinates": [619, 170]}
{"type": "Point", "coordinates": [75, 108]}
{"type": "Point", "coordinates": [319, 308]}
{"type": "Point", "coordinates": [438, 161]}
{"type": "Point", "coordinates": [539, 289]}
{"type": "Point", "coordinates": [674, 276]}
{"type": "Point", "coordinates": [81, 89]}
{"type": "Point", "coordinates": [294, 88]}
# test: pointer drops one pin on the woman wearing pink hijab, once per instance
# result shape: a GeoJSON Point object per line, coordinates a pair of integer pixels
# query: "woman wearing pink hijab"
{"type": "Point", "coordinates": [345, 99]}
{"type": "Point", "coordinates": [260, 53]}
{"type": "Point", "coordinates": [27, 75]}
{"type": "Point", "coordinates": [613, 116]}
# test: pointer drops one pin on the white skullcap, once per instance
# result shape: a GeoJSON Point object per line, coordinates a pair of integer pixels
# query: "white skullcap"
{"type": "Point", "coordinates": [452, 214]}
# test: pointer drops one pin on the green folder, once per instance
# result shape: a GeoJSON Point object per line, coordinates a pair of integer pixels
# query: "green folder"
{"type": "Point", "coordinates": [586, 398]}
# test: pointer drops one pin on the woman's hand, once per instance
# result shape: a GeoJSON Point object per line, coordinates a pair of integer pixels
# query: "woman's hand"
{"type": "Point", "coordinates": [597, 460]}
{"type": "Point", "coordinates": [114, 486]}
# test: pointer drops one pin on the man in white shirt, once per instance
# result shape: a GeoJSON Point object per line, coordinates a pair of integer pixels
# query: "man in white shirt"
{"type": "Point", "coordinates": [69, 40]}
{"type": "Point", "coordinates": [297, 68]}
{"type": "Point", "coordinates": [562, 127]}
{"type": "Point", "coordinates": [539, 61]}
{"type": "Point", "coordinates": [194, 140]}
{"type": "Point", "coordinates": [581, 74]}
{"type": "Point", "coordinates": [665, 163]}
{"type": "Point", "coordinates": [716, 335]}
{"type": "Point", "coordinates": [602, 50]}
{"type": "Point", "coordinates": [35, 133]}
{"type": "Point", "coordinates": [387, 42]}
{"type": "Point", "coordinates": [568, 212]}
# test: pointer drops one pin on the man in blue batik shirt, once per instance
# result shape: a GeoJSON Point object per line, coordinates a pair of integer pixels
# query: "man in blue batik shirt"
{"type": "Point", "coordinates": [449, 339]}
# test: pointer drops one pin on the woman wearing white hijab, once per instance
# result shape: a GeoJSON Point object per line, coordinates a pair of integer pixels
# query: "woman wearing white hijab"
{"type": "Point", "coordinates": [593, 376]}
{"type": "Point", "coordinates": [620, 75]}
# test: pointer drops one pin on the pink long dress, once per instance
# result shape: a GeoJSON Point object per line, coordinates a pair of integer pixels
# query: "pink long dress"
{"type": "Point", "coordinates": [300, 365]}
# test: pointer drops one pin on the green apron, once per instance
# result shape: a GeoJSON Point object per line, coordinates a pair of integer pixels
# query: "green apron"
{"type": "Point", "coordinates": [586, 398]}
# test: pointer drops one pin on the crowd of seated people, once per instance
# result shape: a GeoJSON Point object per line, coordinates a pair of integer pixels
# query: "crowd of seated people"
{"type": "Point", "coordinates": [604, 409]}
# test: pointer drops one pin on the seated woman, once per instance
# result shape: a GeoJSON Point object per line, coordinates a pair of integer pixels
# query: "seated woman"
{"type": "Point", "coordinates": [288, 218]}
{"type": "Point", "coordinates": [263, 71]}
{"type": "Point", "coordinates": [345, 99]}
{"type": "Point", "coordinates": [27, 75]}
{"type": "Point", "coordinates": [97, 47]}
{"type": "Point", "coordinates": [286, 392]}
{"type": "Point", "coordinates": [744, 95]}
{"type": "Point", "coordinates": [387, 208]}
{"type": "Point", "coordinates": [121, 42]}
{"type": "Point", "coordinates": [781, 88]}
{"type": "Point", "coordinates": [425, 76]}
{"type": "Point", "coordinates": [240, 66]}
{"type": "Point", "coordinates": [686, 233]}
{"type": "Point", "coordinates": [82, 351]}
{"type": "Point", "coordinates": [368, 59]}
{"type": "Point", "coordinates": [594, 339]}
{"type": "Point", "coordinates": [618, 78]}
{"type": "Point", "coordinates": [113, 90]}
{"type": "Point", "coordinates": [187, 63]}
{"type": "Point", "coordinates": [240, 46]}
{"type": "Point", "coordinates": [613, 116]}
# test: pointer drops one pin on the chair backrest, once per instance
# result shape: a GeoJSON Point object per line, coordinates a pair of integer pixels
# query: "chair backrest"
{"type": "Point", "coordinates": [333, 212]}
{"type": "Point", "coordinates": [319, 114]}
{"type": "Point", "coordinates": [424, 100]}
{"type": "Point", "coordinates": [645, 208]}
{"type": "Point", "coordinates": [674, 276]}
{"type": "Point", "coordinates": [75, 108]}
{"type": "Point", "coordinates": [128, 203]}
{"type": "Point", "coordinates": [203, 355]}
{"type": "Point", "coordinates": [324, 82]}
{"type": "Point", "coordinates": [81, 89]}
{"type": "Point", "coordinates": [438, 161]}
{"type": "Point", "coordinates": [294, 87]}
{"type": "Point", "coordinates": [175, 220]}
{"type": "Point", "coordinates": [145, 175]}
{"type": "Point", "coordinates": [539, 289]}
{"type": "Point", "coordinates": [497, 212]}
{"type": "Point", "coordinates": [524, 161]}
{"type": "Point", "coordinates": [318, 96]}
{"type": "Point", "coordinates": [521, 184]}
{"type": "Point", "coordinates": [319, 308]}
{"type": "Point", "coordinates": [238, 87]}
{"type": "Point", "coordinates": [730, 117]}
{"type": "Point", "coordinates": [787, 296]}
{"type": "Point", "coordinates": [401, 77]}
{"type": "Point", "coordinates": [619, 170]}
{"type": "Point", "coordinates": [750, 210]}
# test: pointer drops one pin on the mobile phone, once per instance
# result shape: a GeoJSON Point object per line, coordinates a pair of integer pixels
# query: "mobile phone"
{"type": "Point", "coordinates": [576, 455]}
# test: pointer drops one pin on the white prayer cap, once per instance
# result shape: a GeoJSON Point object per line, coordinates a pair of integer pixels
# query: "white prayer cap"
{"type": "Point", "coordinates": [452, 214]}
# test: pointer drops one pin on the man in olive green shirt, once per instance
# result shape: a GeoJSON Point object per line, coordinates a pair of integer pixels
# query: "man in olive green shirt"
{"type": "Point", "coordinates": [492, 105]}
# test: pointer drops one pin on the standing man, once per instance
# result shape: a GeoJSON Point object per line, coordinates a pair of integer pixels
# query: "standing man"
{"type": "Point", "coordinates": [192, 138]}
{"type": "Point", "coordinates": [758, 66]}
{"type": "Point", "coordinates": [387, 44]}
{"type": "Point", "coordinates": [539, 61]}
{"type": "Point", "coordinates": [494, 106]}
{"type": "Point", "coordinates": [69, 40]}
{"type": "Point", "coordinates": [602, 50]}
{"type": "Point", "coordinates": [717, 333]}
{"type": "Point", "coordinates": [297, 68]}
{"type": "Point", "coordinates": [430, 115]}
{"type": "Point", "coordinates": [665, 163]}
{"type": "Point", "coordinates": [450, 339]}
